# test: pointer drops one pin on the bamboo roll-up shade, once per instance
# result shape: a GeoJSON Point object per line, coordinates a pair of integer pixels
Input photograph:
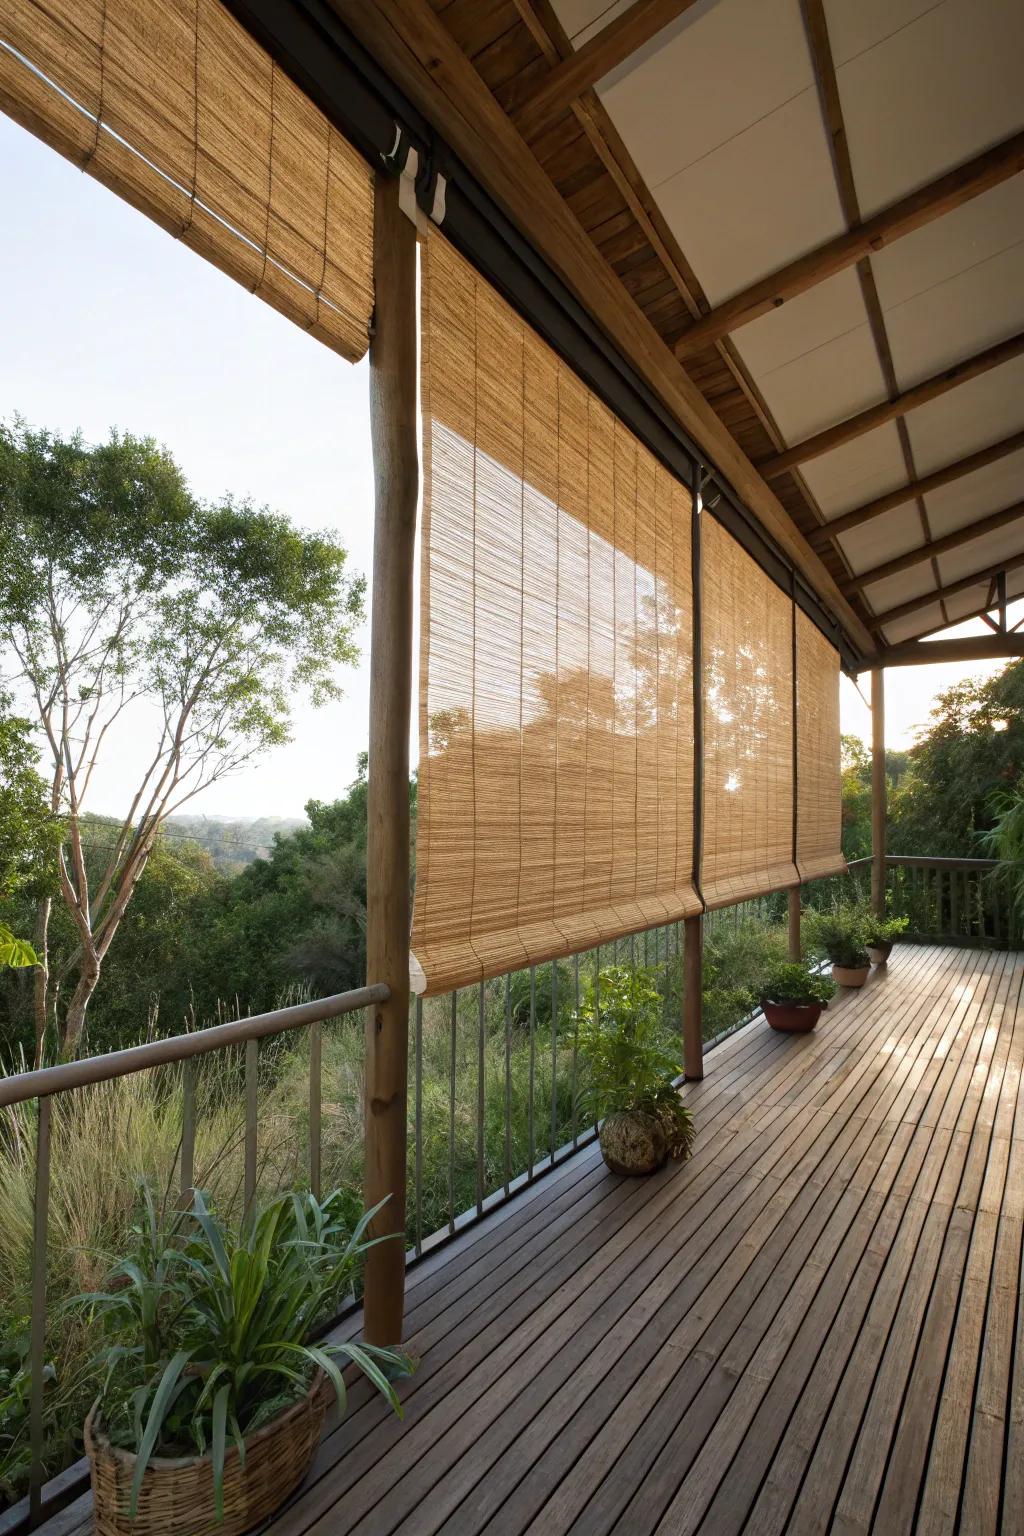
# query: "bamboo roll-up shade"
{"type": "Point", "coordinates": [747, 632]}
{"type": "Point", "coordinates": [556, 719]}
{"type": "Point", "coordinates": [818, 774]}
{"type": "Point", "coordinates": [175, 107]}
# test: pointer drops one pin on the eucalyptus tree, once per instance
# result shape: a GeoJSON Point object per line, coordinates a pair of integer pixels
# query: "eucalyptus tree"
{"type": "Point", "coordinates": [120, 589]}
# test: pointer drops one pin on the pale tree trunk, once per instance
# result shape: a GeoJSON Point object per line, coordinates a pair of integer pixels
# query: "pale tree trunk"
{"type": "Point", "coordinates": [74, 1018]}
{"type": "Point", "coordinates": [41, 976]}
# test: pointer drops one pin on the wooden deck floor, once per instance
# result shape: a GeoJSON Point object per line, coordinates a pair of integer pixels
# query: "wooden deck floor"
{"type": "Point", "coordinates": [812, 1326]}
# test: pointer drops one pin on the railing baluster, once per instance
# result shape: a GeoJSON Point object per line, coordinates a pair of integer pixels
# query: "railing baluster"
{"type": "Point", "coordinates": [554, 1058]}
{"type": "Point", "coordinates": [597, 995]}
{"type": "Point", "coordinates": [316, 1085]}
{"type": "Point", "coordinates": [252, 1048]}
{"type": "Point", "coordinates": [533, 1068]}
{"type": "Point", "coordinates": [451, 1114]}
{"type": "Point", "coordinates": [418, 1111]}
{"type": "Point", "coordinates": [481, 1040]}
{"type": "Point", "coordinates": [508, 1083]}
{"type": "Point", "coordinates": [575, 1047]}
{"type": "Point", "coordinates": [188, 1133]}
{"type": "Point", "coordinates": [37, 1325]}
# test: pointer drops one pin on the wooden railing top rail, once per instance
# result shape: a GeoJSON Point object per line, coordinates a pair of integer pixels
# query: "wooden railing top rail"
{"type": "Point", "coordinates": [45, 1081]}
{"type": "Point", "coordinates": [923, 861]}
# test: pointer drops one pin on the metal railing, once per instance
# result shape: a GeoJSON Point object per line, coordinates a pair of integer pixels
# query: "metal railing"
{"type": "Point", "coordinates": [46, 1084]}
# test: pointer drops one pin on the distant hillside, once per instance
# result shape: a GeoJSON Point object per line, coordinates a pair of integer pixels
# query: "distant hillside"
{"type": "Point", "coordinates": [232, 841]}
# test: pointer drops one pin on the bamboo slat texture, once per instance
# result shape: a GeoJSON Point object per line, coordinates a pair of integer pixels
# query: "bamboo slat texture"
{"type": "Point", "coordinates": [175, 107]}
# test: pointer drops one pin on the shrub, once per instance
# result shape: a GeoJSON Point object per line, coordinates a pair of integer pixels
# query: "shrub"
{"type": "Point", "coordinates": [839, 932]}
{"type": "Point", "coordinates": [883, 930]}
{"type": "Point", "coordinates": [797, 983]}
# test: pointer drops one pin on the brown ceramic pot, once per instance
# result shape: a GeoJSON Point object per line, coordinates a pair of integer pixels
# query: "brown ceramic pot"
{"type": "Point", "coordinates": [792, 1018]}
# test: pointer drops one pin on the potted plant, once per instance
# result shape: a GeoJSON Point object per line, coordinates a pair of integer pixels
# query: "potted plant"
{"type": "Point", "coordinates": [879, 935]}
{"type": "Point", "coordinates": [630, 1074]}
{"type": "Point", "coordinates": [794, 996]}
{"type": "Point", "coordinates": [839, 933]}
{"type": "Point", "coordinates": [213, 1393]}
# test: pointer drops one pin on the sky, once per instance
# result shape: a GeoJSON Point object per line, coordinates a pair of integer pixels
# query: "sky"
{"type": "Point", "coordinates": [105, 321]}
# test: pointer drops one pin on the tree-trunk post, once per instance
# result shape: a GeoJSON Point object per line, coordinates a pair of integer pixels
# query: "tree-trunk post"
{"type": "Point", "coordinates": [693, 1023]}
{"type": "Point", "coordinates": [393, 426]}
{"type": "Point", "coordinates": [795, 946]}
{"type": "Point", "coordinates": [878, 806]}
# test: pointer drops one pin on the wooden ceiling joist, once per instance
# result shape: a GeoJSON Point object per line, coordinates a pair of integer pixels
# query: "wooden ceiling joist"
{"type": "Point", "coordinates": [943, 546]}
{"type": "Point", "coordinates": [933, 482]}
{"type": "Point", "coordinates": [990, 574]}
{"type": "Point", "coordinates": [602, 53]}
{"type": "Point", "coordinates": [410, 42]}
{"type": "Point", "coordinates": [889, 410]}
{"type": "Point", "coordinates": [902, 218]}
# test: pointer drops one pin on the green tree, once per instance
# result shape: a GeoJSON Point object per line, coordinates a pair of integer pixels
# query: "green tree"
{"type": "Point", "coordinates": [29, 832]}
{"type": "Point", "coordinates": [120, 589]}
{"type": "Point", "coordinates": [972, 751]}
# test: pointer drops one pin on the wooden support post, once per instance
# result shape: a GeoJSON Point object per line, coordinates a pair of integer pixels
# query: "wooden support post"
{"type": "Point", "coordinates": [878, 807]}
{"type": "Point", "coordinates": [795, 946]}
{"type": "Point", "coordinates": [693, 986]}
{"type": "Point", "coordinates": [393, 428]}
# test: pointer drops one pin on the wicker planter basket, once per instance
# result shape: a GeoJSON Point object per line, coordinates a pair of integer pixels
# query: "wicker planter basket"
{"type": "Point", "coordinates": [177, 1494]}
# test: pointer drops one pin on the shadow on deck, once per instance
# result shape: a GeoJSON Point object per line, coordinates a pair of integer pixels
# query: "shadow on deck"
{"type": "Point", "coordinates": [811, 1326]}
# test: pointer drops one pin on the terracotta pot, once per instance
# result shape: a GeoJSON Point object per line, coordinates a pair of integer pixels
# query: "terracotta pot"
{"type": "Point", "coordinates": [177, 1493]}
{"type": "Point", "coordinates": [633, 1142]}
{"type": "Point", "coordinates": [849, 975]}
{"type": "Point", "coordinates": [880, 952]}
{"type": "Point", "coordinates": [792, 1018]}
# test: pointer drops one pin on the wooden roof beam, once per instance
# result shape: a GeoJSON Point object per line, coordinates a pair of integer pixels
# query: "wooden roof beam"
{"type": "Point", "coordinates": [602, 53]}
{"type": "Point", "coordinates": [937, 547]}
{"type": "Point", "coordinates": [922, 653]}
{"type": "Point", "coordinates": [939, 477]}
{"type": "Point", "coordinates": [964, 584]}
{"type": "Point", "coordinates": [901, 218]}
{"type": "Point", "coordinates": [889, 410]}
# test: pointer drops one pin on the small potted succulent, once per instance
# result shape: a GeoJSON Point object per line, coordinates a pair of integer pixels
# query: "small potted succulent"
{"type": "Point", "coordinates": [213, 1388]}
{"type": "Point", "coordinates": [794, 997]}
{"type": "Point", "coordinates": [880, 934]}
{"type": "Point", "coordinates": [629, 1074]}
{"type": "Point", "coordinates": [839, 933]}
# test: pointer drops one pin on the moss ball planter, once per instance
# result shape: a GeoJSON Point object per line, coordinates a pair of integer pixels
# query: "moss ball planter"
{"type": "Point", "coordinates": [177, 1493]}
{"type": "Point", "coordinates": [792, 1018]}
{"type": "Point", "coordinates": [633, 1142]}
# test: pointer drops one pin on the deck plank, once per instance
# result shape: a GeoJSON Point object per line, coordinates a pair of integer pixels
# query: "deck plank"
{"type": "Point", "coordinates": [815, 1325]}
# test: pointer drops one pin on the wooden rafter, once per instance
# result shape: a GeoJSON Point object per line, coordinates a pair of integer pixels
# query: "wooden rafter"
{"type": "Point", "coordinates": [595, 59]}
{"type": "Point", "coordinates": [920, 653]}
{"type": "Point", "coordinates": [901, 218]}
{"type": "Point", "coordinates": [890, 410]}
{"type": "Point", "coordinates": [964, 584]}
{"type": "Point", "coordinates": [411, 43]}
{"type": "Point", "coordinates": [943, 546]}
{"type": "Point", "coordinates": [939, 477]}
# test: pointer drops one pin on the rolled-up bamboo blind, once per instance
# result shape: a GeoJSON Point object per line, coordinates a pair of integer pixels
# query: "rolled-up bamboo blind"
{"type": "Point", "coordinates": [747, 845]}
{"type": "Point", "coordinates": [174, 106]}
{"type": "Point", "coordinates": [819, 795]}
{"type": "Point", "coordinates": [556, 721]}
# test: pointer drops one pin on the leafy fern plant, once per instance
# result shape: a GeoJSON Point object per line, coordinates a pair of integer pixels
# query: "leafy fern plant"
{"type": "Point", "coordinates": [209, 1329]}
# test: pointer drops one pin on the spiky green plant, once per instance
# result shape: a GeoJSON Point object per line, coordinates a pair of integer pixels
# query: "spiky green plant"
{"type": "Point", "coordinates": [210, 1326]}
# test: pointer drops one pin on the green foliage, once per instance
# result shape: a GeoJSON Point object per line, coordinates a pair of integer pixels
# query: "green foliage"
{"type": "Point", "coordinates": [796, 982]}
{"type": "Point", "coordinates": [623, 1046]}
{"type": "Point", "coordinates": [209, 1326]}
{"type": "Point", "coordinates": [738, 954]}
{"type": "Point", "coordinates": [882, 930]}
{"type": "Point", "coordinates": [15, 953]}
{"type": "Point", "coordinates": [839, 932]}
{"type": "Point", "coordinates": [1004, 841]}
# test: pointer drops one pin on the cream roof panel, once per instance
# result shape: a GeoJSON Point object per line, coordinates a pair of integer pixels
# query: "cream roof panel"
{"type": "Point", "coordinates": [955, 319]}
{"type": "Point", "coordinates": [931, 95]}
{"type": "Point", "coordinates": [867, 467]}
{"type": "Point", "coordinates": [914, 624]}
{"type": "Point", "coordinates": [963, 605]}
{"type": "Point", "coordinates": [968, 417]}
{"type": "Point", "coordinates": [772, 194]}
{"type": "Point", "coordinates": [825, 385]}
{"type": "Point", "coordinates": [987, 490]}
{"type": "Point", "coordinates": [794, 331]}
{"type": "Point", "coordinates": [854, 26]}
{"type": "Point", "coordinates": [705, 79]}
{"type": "Point", "coordinates": [959, 241]}
{"type": "Point", "coordinates": [894, 533]}
{"type": "Point", "coordinates": [915, 582]}
{"type": "Point", "coordinates": [983, 552]}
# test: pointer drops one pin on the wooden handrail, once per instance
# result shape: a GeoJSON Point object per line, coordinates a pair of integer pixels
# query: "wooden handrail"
{"type": "Point", "coordinates": [45, 1081]}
